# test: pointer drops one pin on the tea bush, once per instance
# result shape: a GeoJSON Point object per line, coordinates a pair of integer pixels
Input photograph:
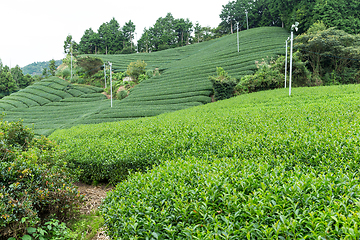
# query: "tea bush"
{"type": "Point", "coordinates": [258, 166]}
{"type": "Point", "coordinates": [35, 183]}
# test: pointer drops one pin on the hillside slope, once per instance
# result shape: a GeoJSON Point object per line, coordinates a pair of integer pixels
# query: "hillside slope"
{"type": "Point", "coordinates": [258, 166]}
{"type": "Point", "coordinates": [183, 83]}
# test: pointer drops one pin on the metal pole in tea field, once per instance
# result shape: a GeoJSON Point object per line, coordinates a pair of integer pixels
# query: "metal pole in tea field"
{"type": "Point", "coordinates": [247, 20]}
{"type": "Point", "coordinates": [105, 74]}
{"type": "Point", "coordinates": [238, 44]}
{"type": "Point", "coordinates": [294, 26]}
{"type": "Point", "coordinates": [111, 85]}
{"type": "Point", "coordinates": [286, 42]}
{"type": "Point", "coordinates": [71, 62]}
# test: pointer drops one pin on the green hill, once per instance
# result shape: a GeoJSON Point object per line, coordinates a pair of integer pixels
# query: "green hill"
{"type": "Point", "coordinates": [36, 68]}
{"type": "Point", "coordinates": [257, 166]}
{"type": "Point", "coordinates": [183, 83]}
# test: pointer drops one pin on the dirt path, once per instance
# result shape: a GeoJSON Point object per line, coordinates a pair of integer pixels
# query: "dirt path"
{"type": "Point", "coordinates": [93, 197]}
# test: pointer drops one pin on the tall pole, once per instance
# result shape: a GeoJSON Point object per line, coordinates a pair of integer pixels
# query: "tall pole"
{"type": "Point", "coordinates": [111, 84]}
{"type": "Point", "coordinates": [294, 26]}
{"type": "Point", "coordinates": [71, 66]}
{"type": "Point", "coordinates": [291, 52]}
{"type": "Point", "coordinates": [105, 74]}
{"type": "Point", "coordinates": [247, 20]}
{"type": "Point", "coordinates": [238, 44]}
{"type": "Point", "coordinates": [286, 59]}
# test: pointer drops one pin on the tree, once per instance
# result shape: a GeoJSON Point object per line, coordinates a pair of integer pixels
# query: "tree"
{"type": "Point", "coordinates": [89, 42]}
{"type": "Point", "coordinates": [20, 79]}
{"type": "Point", "coordinates": [52, 67]}
{"type": "Point", "coordinates": [144, 42]}
{"type": "Point", "coordinates": [128, 31]}
{"type": "Point", "coordinates": [7, 83]}
{"type": "Point", "coordinates": [227, 15]}
{"type": "Point", "coordinates": [183, 28]}
{"type": "Point", "coordinates": [70, 45]}
{"type": "Point", "coordinates": [110, 37]}
{"type": "Point", "coordinates": [328, 50]}
{"type": "Point", "coordinates": [91, 65]}
{"type": "Point", "coordinates": [1, 65]}
{"type": "Point", "coordinates": [343, 14]}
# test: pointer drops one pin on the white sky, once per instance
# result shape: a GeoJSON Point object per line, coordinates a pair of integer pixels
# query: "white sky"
{"type": "Point", "coordinates": [35, 30]}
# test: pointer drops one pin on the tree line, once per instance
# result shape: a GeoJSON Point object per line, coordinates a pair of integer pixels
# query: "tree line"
{"type": "Point", "coordinates": [343, 14]}
{"type": "Point", "coordinates": [168, 32]}
{"type": "Point", "coordinates": [12, 79]}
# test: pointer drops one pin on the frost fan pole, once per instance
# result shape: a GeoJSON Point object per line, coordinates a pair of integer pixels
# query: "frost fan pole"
{"type": "Point", "coordinates": [286, 55]}
{"type": "Point", "coordinates": [105, 74]}
{"type": "Point", "coordinates": [294, 26]}
{"type": "Point", "coordinates": [238, 44]}
{"type": "Point", "coordinates": [111, 97]}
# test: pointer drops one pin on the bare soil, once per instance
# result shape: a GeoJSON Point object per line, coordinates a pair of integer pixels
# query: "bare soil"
{"type": "Point", "coordinates": [93, 198]}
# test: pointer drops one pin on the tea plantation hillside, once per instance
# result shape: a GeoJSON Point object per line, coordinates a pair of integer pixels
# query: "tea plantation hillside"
{"type": "Point", "coordinates": [186, 69]}
{"type": "Point", "coordinates": [258, 166]}
{"type": "Point", "coordinates": [183, 83]}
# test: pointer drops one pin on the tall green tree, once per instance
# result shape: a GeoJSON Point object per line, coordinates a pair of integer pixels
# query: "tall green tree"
{"type": "Point", "coordinates": [52, 67]}
{"type": "Point", "coordinates": [228, 15]}
{"type": "Point", "coordinates": [89, 42]}
{"type": "Point", "coordinates": [128, 31]}
{"type": "Point", "coordinates": [183, 29]}
{"type": "Point", "coordinates": [70, 45]}
{"type": "Point", "coordinates": [144, 41]}
{"type": "Point", "coordinates": [110, 37]}
{"type": "Point", "coordinates": [7, 83]}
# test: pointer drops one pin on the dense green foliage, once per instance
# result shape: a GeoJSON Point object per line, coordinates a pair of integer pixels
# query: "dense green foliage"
{"type": "Point", "coordinates": [12, 80]}
{"type": "Point", "coordinates": [180, 81]}
{"type": "Point", "coordinates": [223, 84]}
{"type": "Point", "coordinates": [166, 33]}
{"type": "Point", "coordinates": [109, 39]}
{"type": "Point", "coordinates": [135, 69]}
{"type": "Point", "coordinates": [343, 14]}
{"type": "Point", "coordinates": [330, 51]}
{"type": "Point", "coordinates": [271, 75]}
{"type": "Point", "coordinates": [35, 183]}
{"type": "Point", "coordinates": [261, 165]}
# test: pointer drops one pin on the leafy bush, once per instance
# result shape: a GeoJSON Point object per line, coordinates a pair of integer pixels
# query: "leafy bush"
{"type": "Point", "coordinates": [35, 183]}
{"type": "Point", "coordinates": [122, 94]}
{"type": "Point", "coordinates": [143, 77]}
{"type": "Point", "coordinates": [90, 65]}
{"type": "Point", "coordinates": [223, 84]}
{"type": "Point", "coordinates": [135, 69]}
{"type": "Point", "coordinates": [271, 75]}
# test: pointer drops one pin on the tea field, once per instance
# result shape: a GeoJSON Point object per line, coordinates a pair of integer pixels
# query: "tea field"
{"type": "Point", "coordinates": [54, 104]}
{"type": "Point", "coordinates": [257, 166]}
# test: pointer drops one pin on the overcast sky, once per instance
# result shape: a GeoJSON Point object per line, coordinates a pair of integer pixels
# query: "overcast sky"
{"type": "Point", "coordinates": [35, 30]}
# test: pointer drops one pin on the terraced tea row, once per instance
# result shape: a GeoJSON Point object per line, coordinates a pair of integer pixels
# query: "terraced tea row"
{"type": "Point", "coordinates": [258, 166]}
{"type": "Point", "coordinates": [183, 83]}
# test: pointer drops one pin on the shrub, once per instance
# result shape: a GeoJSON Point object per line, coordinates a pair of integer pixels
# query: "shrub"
{"type": "Point", "coordinates": [90, 65]}
{"type": "Point", "coordinates": [271, 75]}
{"type": "Point", "coordinates": [122, 94]}
{"type": "Point", "coordinates": [223, 84]}
{"type": "Point", "coordinates": [142, 77]}
{"type": "Point", "coordinates": [135, 69]}
{"type": "Point", "coordinates": [66, 72]}
{"type": "Point", "coordinates": [35, 183]}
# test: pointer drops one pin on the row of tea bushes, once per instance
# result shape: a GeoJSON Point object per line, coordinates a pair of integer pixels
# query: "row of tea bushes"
{"type": "Point", "coordinates": [258, 166]}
